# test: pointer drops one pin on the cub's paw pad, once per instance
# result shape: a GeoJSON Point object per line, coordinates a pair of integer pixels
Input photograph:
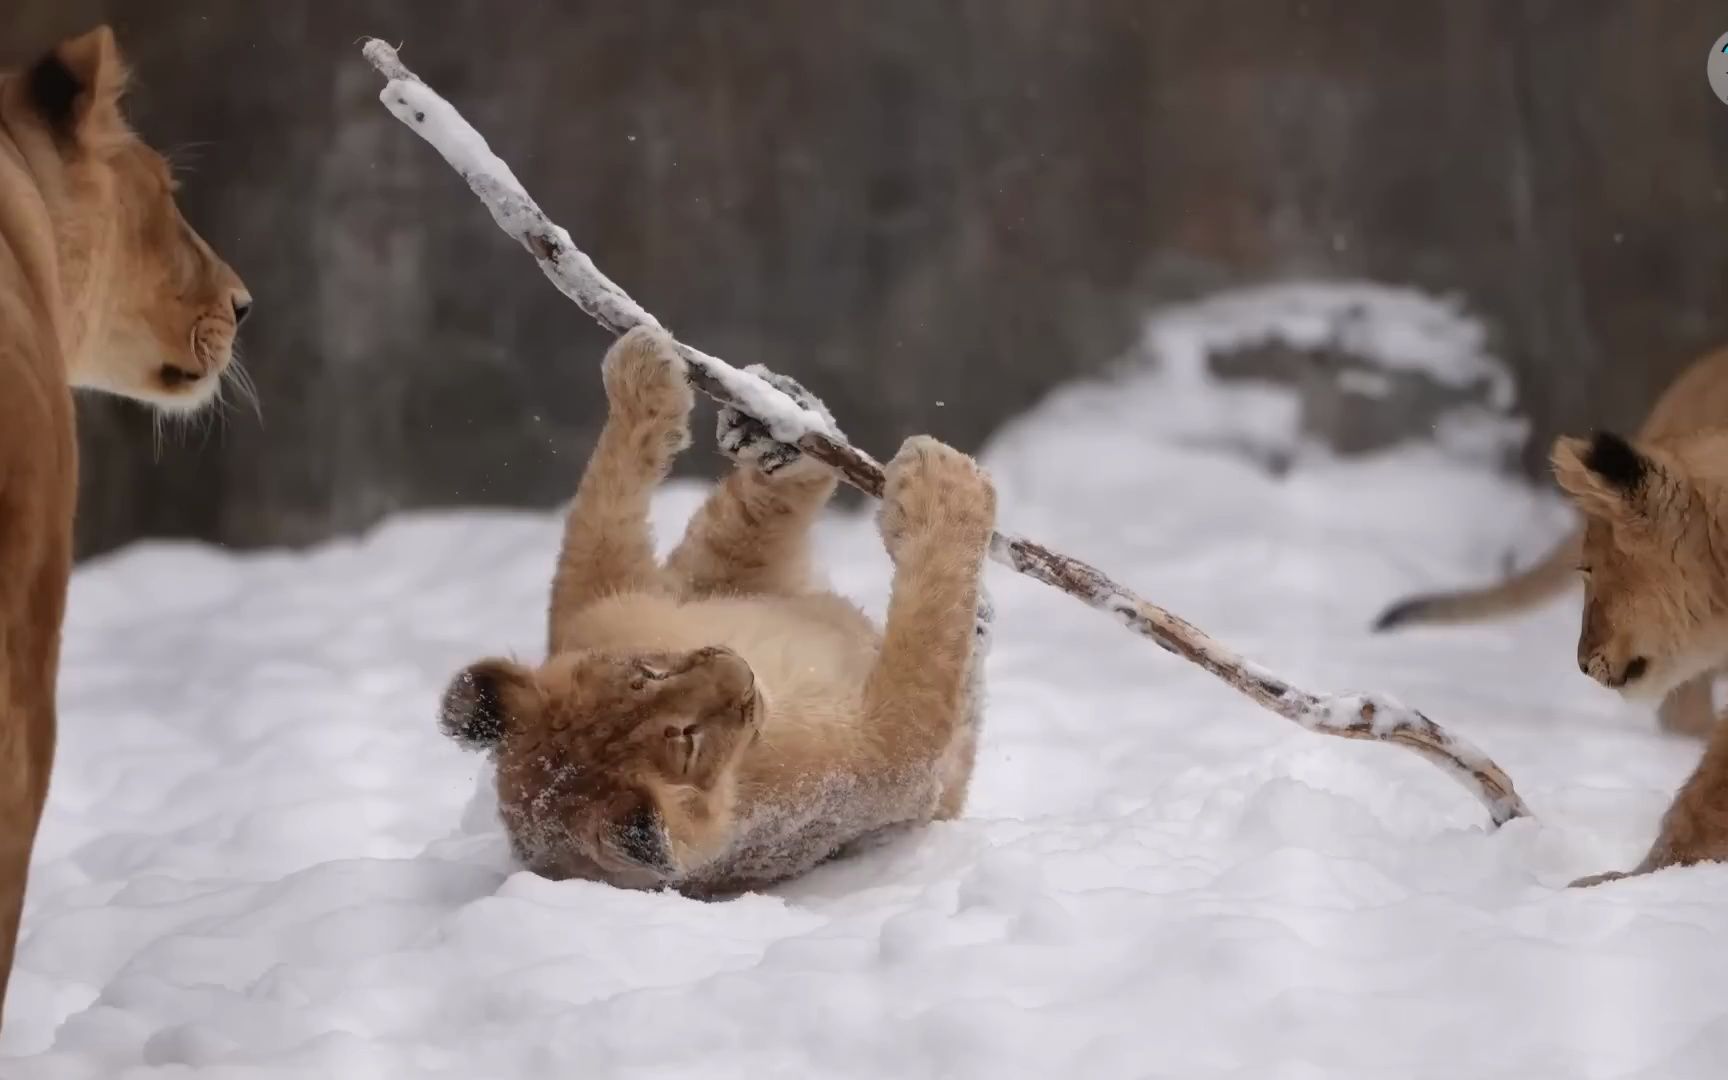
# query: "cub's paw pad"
{"type": "Point", "coordinates": [747, 440]}
{"type": "Point", "coordinates": [645, 380]}
{"type": "Point", "coordinates": [932, 486]}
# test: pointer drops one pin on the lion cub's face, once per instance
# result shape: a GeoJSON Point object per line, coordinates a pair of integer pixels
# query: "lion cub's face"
{"type": "Point", "coordinates": [1655, 584]}
{"type": "Point", "coordinates": [157, 309]}
{"type": "Point", "coordinates": [615, 768]}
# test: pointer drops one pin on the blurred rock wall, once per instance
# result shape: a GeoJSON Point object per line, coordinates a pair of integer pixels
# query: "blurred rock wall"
{"type": "Point", "coordinates": [931, 211]}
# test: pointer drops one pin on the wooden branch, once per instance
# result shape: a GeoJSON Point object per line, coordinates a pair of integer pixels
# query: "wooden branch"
{"type": "Point", "coordinates": [1350, 716]}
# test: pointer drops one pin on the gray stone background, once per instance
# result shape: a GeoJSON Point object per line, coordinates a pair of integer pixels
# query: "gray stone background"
{"type": "Point", "coordinates": [901, 202]}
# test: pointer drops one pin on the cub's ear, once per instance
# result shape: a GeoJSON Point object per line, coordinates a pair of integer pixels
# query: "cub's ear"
{"type": "Point", "coordinates": [484, 702]}
{"type": "Point", "coordinates": [1607, 476]}
{"type": "Point", "coordinates": [76, 88]}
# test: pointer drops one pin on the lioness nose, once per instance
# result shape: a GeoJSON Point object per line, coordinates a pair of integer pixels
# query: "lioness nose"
{"type": "Point", "coordinates": [242, 307]}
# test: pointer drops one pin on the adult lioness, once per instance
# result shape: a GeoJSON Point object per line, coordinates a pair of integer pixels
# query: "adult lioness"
{"type": "Point", "coordinates": [103, 285]}
{"type": "Point", "coordinates": [719, 723]}
{"type": "Point", "coordinates": [1655, 560]}
{"type": "Point", "coordinates": [1696, 401]}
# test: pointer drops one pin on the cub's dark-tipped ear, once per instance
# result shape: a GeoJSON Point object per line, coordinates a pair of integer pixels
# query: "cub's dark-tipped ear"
{"type": "Point", "coordinates": [76, 88]}
{"type": "Point", "coordinates": [1610, 478]}
{"type": "Point", "coordinates": [1615, 462]}
{"type": "Point", "coordinates": [483, 702]}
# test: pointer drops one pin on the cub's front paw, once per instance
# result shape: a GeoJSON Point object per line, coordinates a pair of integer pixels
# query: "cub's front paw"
{"type": "Point", "coordinates": [746, 440]}
{"type": "Point", "coordinates": [646, 386]}
{"type": "Point", "coordinates": [933, 489]}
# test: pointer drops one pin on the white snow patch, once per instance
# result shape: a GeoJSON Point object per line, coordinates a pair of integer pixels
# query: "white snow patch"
{"type": "Point", "coordinates": [1393, 329]}
{"type": "Point", "coordinates": [261, 859]}
{"type": "Point", "coordinates": [1401, 329]}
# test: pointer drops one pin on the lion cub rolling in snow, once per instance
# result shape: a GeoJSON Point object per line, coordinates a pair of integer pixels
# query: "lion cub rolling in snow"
{"type": "Point", "coordinates": [718, 723]}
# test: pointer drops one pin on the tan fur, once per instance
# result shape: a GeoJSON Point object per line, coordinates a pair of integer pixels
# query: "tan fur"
{"type": "Point", "coordinates": [1655, 563]}
{"type": "Point", "coordinates": [1695, 828]}
{"type": "Point", "coordinates": [1652, 559]}
{"type": "Point", "coordinates": [1696, 401]}
{"type": "Point", "coordinates": [102, 285]}
{"type": "Point", "coordinates": [719, 723]}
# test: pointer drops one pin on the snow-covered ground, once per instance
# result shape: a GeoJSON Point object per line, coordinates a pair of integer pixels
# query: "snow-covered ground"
{"type": "Point", "coordinates": [262, 860]}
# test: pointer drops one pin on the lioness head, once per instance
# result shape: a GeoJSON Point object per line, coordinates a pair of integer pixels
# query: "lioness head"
{"type": "Point", "coordinates": [1655, 580]}
{"type": "Point", "coordinates": [610, 768]}
{"type": "Point", "coordinates": [153, 311]}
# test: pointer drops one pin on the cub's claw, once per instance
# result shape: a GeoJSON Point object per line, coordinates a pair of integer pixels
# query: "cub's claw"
{"type": "Point", "coordinates": [747, 441]}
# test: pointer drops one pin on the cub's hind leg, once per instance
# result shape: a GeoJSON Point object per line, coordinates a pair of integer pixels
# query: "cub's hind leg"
{"type": "Point", "coordinates": [938, 512]}
{"type": "Point", "coordinates": [608, 547]}
{"type": "Point", "coordinates": [752, 536]}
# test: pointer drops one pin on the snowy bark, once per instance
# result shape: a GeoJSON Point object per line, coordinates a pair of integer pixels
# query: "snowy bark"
{"type": "Point", "coordinates": [1352, 716]}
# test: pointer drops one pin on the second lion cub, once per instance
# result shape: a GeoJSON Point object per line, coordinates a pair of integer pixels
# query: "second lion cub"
{"type": "Point", "coordinates": [717, 723]}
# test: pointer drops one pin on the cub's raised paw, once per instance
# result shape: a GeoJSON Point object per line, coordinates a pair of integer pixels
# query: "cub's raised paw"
{"type": "Point", "coordinates": [933, 489]}
{"type": "Point", "coordinates": [746, 440]}
{"type": "Point", "coordinates": [646, 384]}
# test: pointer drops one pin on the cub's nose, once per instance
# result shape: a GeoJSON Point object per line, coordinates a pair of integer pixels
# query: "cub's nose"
{"type": "Point", "coordinates": [1635, 669]}
{"type": "Point", "coordinates": [242, 304]}
{"type": "Point", "coordinates": [1603, 670]}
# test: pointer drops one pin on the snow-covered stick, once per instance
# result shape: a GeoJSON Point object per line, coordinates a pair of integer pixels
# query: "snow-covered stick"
{"type": "Point", "coordinates": [1353, 716]}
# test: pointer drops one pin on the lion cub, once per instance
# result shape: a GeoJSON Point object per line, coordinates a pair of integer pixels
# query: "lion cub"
{"type": "Point", "coordinates": [719, 723]}
{"type": "Point", "coordinates": [1654, 555]}
{"type": "Point", "coordinates": [1696, 401]}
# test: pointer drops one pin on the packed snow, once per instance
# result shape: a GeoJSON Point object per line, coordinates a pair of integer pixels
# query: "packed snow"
{"type": "Point", "coordinates": [261, 859]}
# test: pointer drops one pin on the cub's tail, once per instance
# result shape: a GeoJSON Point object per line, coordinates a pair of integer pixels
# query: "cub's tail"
{"type": "Point", "coordinates": [1520, 592]}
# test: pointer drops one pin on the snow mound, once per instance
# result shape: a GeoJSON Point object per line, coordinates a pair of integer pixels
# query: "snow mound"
{"type": "Point", "coordinates": [1371, 360]}
{"type": "Point", "coordinates": [261, 860]}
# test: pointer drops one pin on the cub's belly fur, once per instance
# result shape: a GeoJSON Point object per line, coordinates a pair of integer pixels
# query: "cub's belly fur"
{"type": "Point", "coordinates": [804, 648]}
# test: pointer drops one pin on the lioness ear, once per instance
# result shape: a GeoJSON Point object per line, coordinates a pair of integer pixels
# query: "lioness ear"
{"type": "Point", "coordinates": [76, 88]}
{"type": "Point", "coordinates": [483, 702]}
{"type": "Point", "coordinates": [1606, 476]}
